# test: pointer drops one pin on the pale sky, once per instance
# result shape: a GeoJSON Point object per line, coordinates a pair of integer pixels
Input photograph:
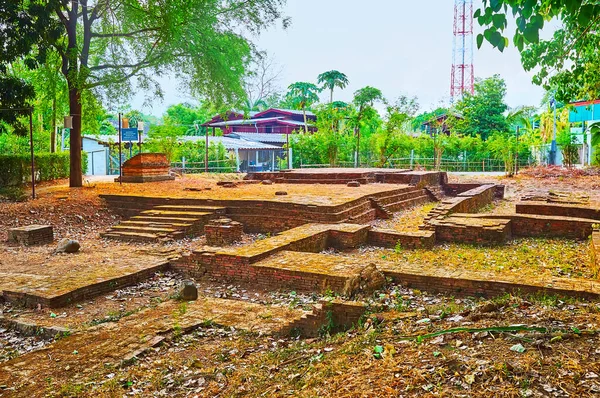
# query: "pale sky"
{"type": "Point", "coordinates": [401, 47]}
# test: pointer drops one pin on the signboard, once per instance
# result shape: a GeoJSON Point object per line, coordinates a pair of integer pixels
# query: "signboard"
{"type": "Point", "coordinates": [130, 134]}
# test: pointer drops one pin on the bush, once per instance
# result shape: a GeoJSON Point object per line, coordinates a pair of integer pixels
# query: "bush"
{"type": "Point", "coordinates": [15, 169]}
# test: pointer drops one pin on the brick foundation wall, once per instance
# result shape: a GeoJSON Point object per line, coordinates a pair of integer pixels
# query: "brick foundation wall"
{"type": "Point", "coordinates": [480, 288]}
{"type": "Point", "coordinates": [455, 189]}
{"type": "Point", "coordinates": [557, 209]}
{"type": "Point", "coordinates": [595, 251]}
{"type": "Point", "coordinates": [83, 293]}
{"type": "Point", "coordinates": [239, 270]}
{"type": "Point", "coordinates": [543, 226]}
{"type": "Point", "coordinates": [337, 314]}
{"type": "Point", "coordinates": [473, 230]}
{"type": "Point", "coordinates": [407, 240]}
{"type": "Point", "coordinates": [264, 216]}
{"type": "Point", "coordinates": [31, 235]}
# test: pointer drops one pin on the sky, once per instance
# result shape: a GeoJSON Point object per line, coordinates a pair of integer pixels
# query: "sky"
{"type": "Point", "coordinates": [401, 47]}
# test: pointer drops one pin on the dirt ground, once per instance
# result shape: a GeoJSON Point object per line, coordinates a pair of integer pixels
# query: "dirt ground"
{"type": "Point", "coordinates": [410, 344]}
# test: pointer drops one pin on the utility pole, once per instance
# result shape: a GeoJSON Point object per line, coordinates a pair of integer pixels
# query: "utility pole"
{"type": "Point", "coordinates": [553, 144]}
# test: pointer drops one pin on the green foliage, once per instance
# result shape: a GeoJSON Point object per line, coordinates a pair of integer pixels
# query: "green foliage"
{"type": "Point", "coordinates": [418, 121]}
{"type": "Point", "coordinates": [568, 61]}
{"type": "Point", "coordinates": [107, 45]}
{"type": "Point", "coordinates": [393, 140]}
{"type": "Point", "coordinates": [16, 169]}
{"type": "Point", "coordinates": [332, 79]}
{"type": "Point", "coordinates": [482, 113]}
{"type": "Point", "coordinates": [302, 95]}
{"type": "Point", "coordinates": [506, 147]}
{"type": "Point", "coordinates": [568, 147]}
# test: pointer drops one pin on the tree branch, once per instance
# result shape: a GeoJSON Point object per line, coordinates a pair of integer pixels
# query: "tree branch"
{"type": "Point", "coordinates": [128, 34]}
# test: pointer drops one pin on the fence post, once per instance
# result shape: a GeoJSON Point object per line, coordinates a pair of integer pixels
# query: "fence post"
{"type": "Point", "coordinates": [412, 158]}
{"type": "Point", "coordinates": [465, 161]}
{"type": "Point", "coordinates": [183, 164]}
{"type": "Point", "coordinates": [483, 165]}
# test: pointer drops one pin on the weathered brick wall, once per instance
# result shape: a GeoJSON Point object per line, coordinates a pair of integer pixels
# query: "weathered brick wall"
{"type": "Point", "coordinates": [239, 270]}
{"type": "Point", "coordinates": [332, 316]}
{"type": "Point", "coordinates": [481, 288]}
{"type": "Point", "coordinates": [543, 226]}
{"type": "Point", "coordinates": [454, 189]}
{"type": "Point", "coordinates": [558, 209]}
{"type": "Point", "coordinates": [473, 230]}
{"type": "Point", "coordinates": [223, 232]}
{"type": "Point", "coordinates": [407, 240]}
{"type": "Point", "coordinates": [31, 235]}
{"type": "Point", "coordinates": [469, 201]}
{"type": "Point", "coordinates": [595, 251]}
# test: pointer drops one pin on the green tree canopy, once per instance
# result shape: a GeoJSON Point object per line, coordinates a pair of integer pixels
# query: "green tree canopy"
{"type": "Point", "coordinates": [482, 113]}
{"type": "Point", "coordinates": [332, 79]}
{"type": "Point", "coordinates": [567, 62]}
{"type": "Point", "coordinates": [105, 46]}
{"type": "Point", "coordinates": [302, 95]}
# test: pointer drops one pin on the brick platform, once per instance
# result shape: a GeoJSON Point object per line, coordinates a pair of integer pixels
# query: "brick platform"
{"type": "Point", "coordinates": [272, 216]}
{"type": "Point", "coordinates": [31, 235]}
{"type": "Point", "coordinates": [473, 230]}
{"type": "Point", "coordinates": [223, 232]}
{"type": "Point", "coordinates": [344, 176]}
{"type": "Point", "coordinates": [146, 167]}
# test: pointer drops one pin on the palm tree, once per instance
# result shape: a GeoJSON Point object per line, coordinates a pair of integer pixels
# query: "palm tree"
{"type": "Point", "coordinates": [303, 95]}
{"type": "Point", "coordinates": [256, 105]}
{"type": "Point", "coordinates": [331, 80]}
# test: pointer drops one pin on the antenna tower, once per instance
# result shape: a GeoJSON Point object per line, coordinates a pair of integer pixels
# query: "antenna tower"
{"type": "Point", "coordinates": [463, 77]}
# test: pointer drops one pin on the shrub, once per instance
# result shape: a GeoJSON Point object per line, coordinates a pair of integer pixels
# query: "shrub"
{"type": "Point", "coordinates": [15, 169]}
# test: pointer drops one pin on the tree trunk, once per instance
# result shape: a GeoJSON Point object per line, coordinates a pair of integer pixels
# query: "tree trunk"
{"type": "Point", "coordinates": [76, 178]}
{"type": "Point", "coordinates": [331, 97]}
{"type": "Point", "coordinates": [53, 132]}
{"type": "Point", "coordinates": [305, 123]}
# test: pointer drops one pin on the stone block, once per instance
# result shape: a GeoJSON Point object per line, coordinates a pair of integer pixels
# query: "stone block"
{"type": "Point", "coordinates": [31, 235]}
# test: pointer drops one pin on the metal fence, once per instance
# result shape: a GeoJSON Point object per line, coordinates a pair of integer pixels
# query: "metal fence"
{"type": "Point", "coordinates": [457, 165]}
{"type": "Point", "coordinates": [214, 166]}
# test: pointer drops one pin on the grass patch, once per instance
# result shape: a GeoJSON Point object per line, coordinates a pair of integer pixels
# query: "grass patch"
{"type": "Point", "coordinates": [528, 257]}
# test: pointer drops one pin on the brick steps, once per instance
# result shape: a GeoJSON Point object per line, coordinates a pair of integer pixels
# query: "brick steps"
{"type": "Point", "coordinates": [157, 223]}
{"type": "Point", "coordinates": [190, 220]}
{"type": "Point", "coordinates": [186, 208]}
{"type": "Point", "coordinates": [131, 236]}
{"type": "Point", "coordinates": [164, 222]}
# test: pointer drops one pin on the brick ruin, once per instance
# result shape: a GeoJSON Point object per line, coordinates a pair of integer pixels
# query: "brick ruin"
{"type": "Point", "coordinates": [31, 235]}
{"type": "Point", "coordinates": [146, 167]}
{"type": "Point", "coordinates": [274, 263]}
{"type": "Point", "coordinates": [223, 232]}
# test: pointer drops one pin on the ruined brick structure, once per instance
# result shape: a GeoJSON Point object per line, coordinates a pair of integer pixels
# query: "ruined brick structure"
{"type": "Point", "coordinates": [146, 167]}
{"type": "Point", "coordinates": [31, 235]}
{"type": "Point", "coordinates": [223, 232]}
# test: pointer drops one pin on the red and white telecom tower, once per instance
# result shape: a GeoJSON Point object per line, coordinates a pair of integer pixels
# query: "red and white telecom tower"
{"type": "Point", "coordinates": [463, 77]}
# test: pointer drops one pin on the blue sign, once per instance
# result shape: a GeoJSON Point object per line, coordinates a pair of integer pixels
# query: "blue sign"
{"type": "Point", "coordinates": [129, 134]}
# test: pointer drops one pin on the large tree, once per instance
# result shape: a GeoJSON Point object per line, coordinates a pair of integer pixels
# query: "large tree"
{"type": "Point", "coordinates": [302, 95]}
{"type": "Point", "coordinates": [112, 46]}
{"type": "Point", "coordinates": [332, 79]}
{"type": "Point", "coordinates": [568, 61]}
{"type": "Point", "coordinates": [482, 113]}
